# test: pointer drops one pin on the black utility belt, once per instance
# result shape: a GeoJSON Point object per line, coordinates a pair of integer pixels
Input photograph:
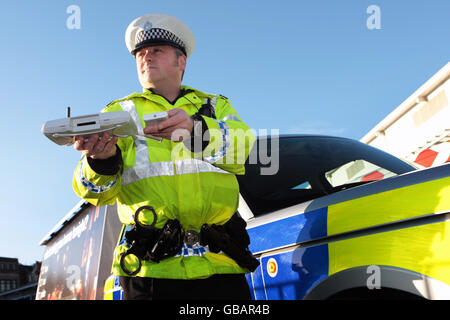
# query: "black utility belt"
{"type": "Point", "coordinates": [149, 243]}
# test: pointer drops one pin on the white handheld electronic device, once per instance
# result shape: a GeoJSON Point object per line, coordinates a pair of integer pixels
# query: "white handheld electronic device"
{"type": "Point", "coordinates": [152, 119]}
{"type": "Point", "coordinates": [63, 131]}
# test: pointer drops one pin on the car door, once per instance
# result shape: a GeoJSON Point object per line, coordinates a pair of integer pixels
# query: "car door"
{"type": "Point", "coordinates": [291, 258]}
{"type": "Point", "coordinates": [288, 233]}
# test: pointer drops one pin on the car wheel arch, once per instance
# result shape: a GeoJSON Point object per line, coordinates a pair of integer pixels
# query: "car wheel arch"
{"type": "Point", "coordinates": [390, 277]}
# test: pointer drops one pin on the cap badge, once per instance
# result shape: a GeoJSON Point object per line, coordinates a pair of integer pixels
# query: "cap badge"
{"type": "Point", "coordinates": [147, 26]}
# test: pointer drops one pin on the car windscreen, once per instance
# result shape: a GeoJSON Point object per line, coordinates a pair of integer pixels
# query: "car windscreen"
{"type": "Point", "coordinates": [288, 170]}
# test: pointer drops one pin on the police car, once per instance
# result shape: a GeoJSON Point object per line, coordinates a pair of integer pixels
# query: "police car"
{"type": "Point", "coordinates": [333, 218]}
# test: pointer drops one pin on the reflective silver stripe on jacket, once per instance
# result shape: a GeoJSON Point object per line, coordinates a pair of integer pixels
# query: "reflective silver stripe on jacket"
{"type": "Point", "coordinates": [188, 166]}
{"type": "Point", "coordinates": [231, 117]}
{"type": "Point", "coordinates": [140, 142]}
{"type": "Point", "coordinates": [144, 169]}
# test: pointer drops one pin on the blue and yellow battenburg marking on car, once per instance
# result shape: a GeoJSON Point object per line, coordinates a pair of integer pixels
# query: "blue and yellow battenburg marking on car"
{"type": "Point", "coordinates": [403, 230]}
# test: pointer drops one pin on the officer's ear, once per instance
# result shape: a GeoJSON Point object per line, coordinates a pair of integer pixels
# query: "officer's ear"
{"type": "Point", "coordinates": [181, 61]}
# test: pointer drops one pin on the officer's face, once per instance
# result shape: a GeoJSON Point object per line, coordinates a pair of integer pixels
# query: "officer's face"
{"type": "Point", "coordinates": [159, 64]}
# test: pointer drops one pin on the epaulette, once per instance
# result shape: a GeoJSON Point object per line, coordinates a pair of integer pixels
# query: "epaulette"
{"type": "Point", "coordinates": [203, 94]}
{"type": "Point", "coordinates": [219, 96]}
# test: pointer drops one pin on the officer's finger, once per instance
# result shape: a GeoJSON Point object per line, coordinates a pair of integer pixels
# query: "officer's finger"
{"type": "Point", "coordinates": [79, 143]}
{"type": "Point", "coordinates": [100, 145]}
{"type": "Point", "coordinates": [108, 151]}
{"type": "Point", "coordinates": [157, 128]}
{"type": "Point", "coordinates": [175, 133]}
{"type": "Point", "coordinates": [90, 143]}
{"type": "Point", "coordinates": [176, 117]}
{"type": "Point", "coordinates": [110, 145]}
{"type": "Point", "coordinates": [173, 112]}
{"type": "Point", "coordinates": [163, 133]}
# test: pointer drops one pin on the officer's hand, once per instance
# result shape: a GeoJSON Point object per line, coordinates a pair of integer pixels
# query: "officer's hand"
{"type": "Point", "coordinates": [177, 127]}
{"type": "Point", "coordinates": [95, 147]}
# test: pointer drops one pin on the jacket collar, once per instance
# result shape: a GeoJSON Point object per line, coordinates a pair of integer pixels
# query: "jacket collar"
{"type": "Point", "coordinates": [185, 92]}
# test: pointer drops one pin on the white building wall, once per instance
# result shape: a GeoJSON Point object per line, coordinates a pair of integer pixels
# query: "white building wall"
{"type": "Point", "coordinates": [421, 122]}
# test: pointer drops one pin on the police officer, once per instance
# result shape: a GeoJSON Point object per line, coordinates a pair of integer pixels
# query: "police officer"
{"type": "Point", "coordinates": [177, 198]}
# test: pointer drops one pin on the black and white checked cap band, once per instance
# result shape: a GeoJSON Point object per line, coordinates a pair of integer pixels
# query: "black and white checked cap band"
{"type": "Point", "coordinates": [157, 36]}
{"type": "Point", "coordinates": [154, 29]}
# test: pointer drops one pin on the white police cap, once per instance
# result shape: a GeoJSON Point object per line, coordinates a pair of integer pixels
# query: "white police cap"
{"type": "Point", "coordinates": [153, 29]}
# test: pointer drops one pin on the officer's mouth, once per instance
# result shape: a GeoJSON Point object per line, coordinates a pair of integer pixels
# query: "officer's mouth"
{"type": "Point", "coordinates": [147, 69]}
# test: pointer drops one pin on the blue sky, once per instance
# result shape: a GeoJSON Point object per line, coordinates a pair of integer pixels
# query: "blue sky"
{"type": "Point", "coordinates": [297, 66]}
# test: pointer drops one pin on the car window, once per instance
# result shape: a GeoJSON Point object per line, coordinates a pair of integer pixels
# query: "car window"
{"type": "Point", "coordinates": [308, 167]}
{"type": "Point", "coordinates": [356, 171]}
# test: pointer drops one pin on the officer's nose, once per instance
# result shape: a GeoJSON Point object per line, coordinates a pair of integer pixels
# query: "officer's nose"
{"type": "Point", "coordinates": [146, 55]}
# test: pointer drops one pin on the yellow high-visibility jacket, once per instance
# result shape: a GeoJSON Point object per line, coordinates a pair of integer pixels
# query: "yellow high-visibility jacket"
{"type": "Point", "coordinates": [195, 188]}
